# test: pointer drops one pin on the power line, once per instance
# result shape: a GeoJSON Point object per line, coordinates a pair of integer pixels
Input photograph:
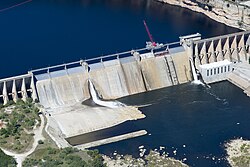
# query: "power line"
{"type": "Point", "coordinates": [16, 5]}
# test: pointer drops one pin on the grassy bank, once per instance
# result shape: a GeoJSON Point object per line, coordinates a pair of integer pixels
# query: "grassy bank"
{"type": "Point", "coordinates": [17, 123]}
{"type": "Point", "coordinates": [67, 157]}
{"type": "Point", "coordinates": [6, 161]}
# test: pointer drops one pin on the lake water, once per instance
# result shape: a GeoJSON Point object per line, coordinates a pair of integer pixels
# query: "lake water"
{"type": "Point", "coordinates": [48, 32]}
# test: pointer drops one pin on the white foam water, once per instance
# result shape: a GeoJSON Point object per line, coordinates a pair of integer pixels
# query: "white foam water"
{"type": "Point", "coordinates": [196, 80]}
{"type": "Point", "coordinates": [97, 100]}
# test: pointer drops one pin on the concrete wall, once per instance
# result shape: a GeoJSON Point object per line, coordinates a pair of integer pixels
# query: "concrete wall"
{"type": "Point", "coordinates": [114, 79]}
{"type": "Point", "coordinates": [215, 72]}
{"type": "Point", "coordinates": [182, 66]}
{"type": "Point", "coordinates": [63, 90]}
{"type": "Point", "coordinates": [110, 81]}
{"type": "Point", "coordinates": [123, 79]}
{"type": "Point", "coordinates": [155, 73]}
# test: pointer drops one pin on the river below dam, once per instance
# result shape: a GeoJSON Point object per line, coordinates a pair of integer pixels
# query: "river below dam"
{"type": "Point", "coordinates": [194, 120]}
{"type": "Point", "coordinates": [48, 32]}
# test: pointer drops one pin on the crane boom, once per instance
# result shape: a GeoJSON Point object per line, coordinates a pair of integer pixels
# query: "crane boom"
{"type": "Point", "coordinates": [149, 34]}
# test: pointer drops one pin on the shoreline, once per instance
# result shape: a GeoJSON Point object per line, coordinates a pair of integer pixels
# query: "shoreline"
{"type": "Point", "coordinates": [153, 158]}
{"type": "Point", "coordinates": [238, 151]}
{"type": "Point", "coordinates": [216, 14]}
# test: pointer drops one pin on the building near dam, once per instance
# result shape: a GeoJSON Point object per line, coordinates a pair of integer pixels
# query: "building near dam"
{"type": "Point", "coordinates": [61, 89]}
{"type": "Point", "coordinates": [216, 71]}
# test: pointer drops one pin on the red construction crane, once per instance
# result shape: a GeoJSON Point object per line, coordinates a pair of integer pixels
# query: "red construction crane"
{"type": "Point", "coordinates": [149, 34]}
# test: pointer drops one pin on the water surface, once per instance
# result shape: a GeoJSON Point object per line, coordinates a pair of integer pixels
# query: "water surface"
{"type": "Point", "coordinates": [49, 32]}
{"type": "Point", "coordinates": [202, 119]}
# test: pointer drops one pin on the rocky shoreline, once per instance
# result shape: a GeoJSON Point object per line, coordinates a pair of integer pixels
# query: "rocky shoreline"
{"type": "Point", "coordinates": [153, 159]}
{"type": "Point", "coordinates": [221, 11]}
{"type": "Point", "coordinates": [238, 152]}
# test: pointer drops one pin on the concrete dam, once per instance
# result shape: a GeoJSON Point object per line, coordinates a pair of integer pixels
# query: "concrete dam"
{"type": "Point", "coordinates": [113, 76]}
{"type": "Point", "coordinates": [125, 73]}
{"type": "Point", "coordinates": [63, 89]}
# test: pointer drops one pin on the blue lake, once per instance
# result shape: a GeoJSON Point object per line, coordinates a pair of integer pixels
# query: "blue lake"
{"type": "Point", "coordinates": [49, 32]}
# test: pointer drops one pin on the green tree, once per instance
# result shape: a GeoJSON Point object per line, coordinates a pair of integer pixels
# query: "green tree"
{"type": "Point", "coordinates": [40, 142]}
{"type": "Point", "coordinates": [97, 159]}
{"type": "Point", "coordinates": [29, 100]}
{"type": "Point", "coordinates": [19, 102]}
{"type": "Point", "coordinates": [9, 103]}
{"type": "Point", "coordinates": [6, 160]}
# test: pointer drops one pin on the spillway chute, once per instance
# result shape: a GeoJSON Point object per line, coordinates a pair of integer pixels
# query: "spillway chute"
{"type": "Point", "coordinates": [97, 100]}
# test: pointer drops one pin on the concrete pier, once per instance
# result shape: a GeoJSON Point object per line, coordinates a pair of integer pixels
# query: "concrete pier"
{"type": "Point", "coordinates": [14, 91]}
{"type": "Point", "coordinates": [112, 139]}
{"type": "Point", "coordinates": [5, 94]}
{"type": "Point", "coordinates": [13, 88]}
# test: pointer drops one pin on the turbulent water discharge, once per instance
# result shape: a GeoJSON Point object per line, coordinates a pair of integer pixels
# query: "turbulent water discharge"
{"type": "Point", "coordinates": [97, 100]}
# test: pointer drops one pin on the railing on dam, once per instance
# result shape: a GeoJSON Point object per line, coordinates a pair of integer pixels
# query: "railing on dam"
{"type": "Point", "coordinates": [233, 47]}
{"type": "Point", "coordinates": [223, 36]}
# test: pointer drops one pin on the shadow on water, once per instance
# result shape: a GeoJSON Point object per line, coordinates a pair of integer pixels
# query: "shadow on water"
{"type": "Point", "coordinates": [101, 134]}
